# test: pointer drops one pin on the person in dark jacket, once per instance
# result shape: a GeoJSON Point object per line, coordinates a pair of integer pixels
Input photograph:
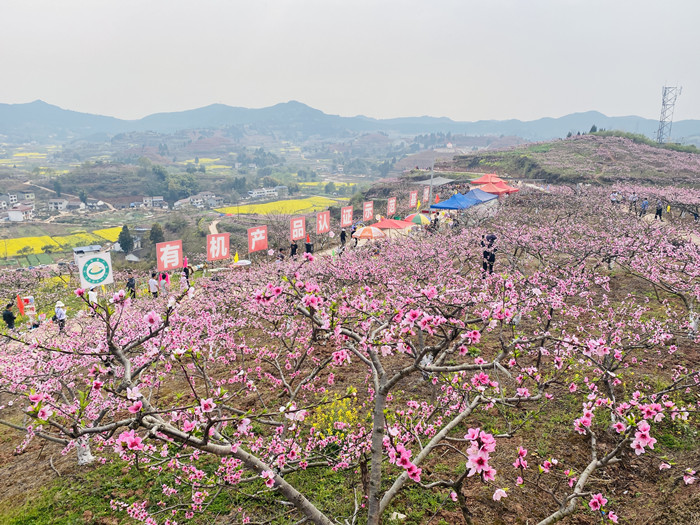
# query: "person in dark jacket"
{"type": "Point", "coordinates": [131, 286]}
{"type": "Point", "coordinates": [659, 210]}
{"type": "Point", "coordinates": [9, 317]}
{"type": "Point", "coordinates": [293, 249]}
{"type": "Point", "coordinates": [343, 237]}
{"type": "Point", "coordinates": [489, 254]}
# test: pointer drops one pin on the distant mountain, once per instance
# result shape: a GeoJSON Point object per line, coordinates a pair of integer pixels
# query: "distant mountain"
{"type": "Point", "coordinates": [41, 121]}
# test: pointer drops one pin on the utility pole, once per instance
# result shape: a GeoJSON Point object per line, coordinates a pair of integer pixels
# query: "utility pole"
{"type": "Point", "coordinates": [669, 96]}
{"type": "Point", "coordinates": [432, 173]}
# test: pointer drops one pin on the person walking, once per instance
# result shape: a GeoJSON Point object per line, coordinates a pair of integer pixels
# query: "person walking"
{"type": "Point", "coordinates": [489, 254]}
{"type": "Point", "coordinates": [164, 283]}
{"type": "Point", "coordinates": [131, 286]}
{"type": "Point", "coordinates": [633, 201]}
{"type": "Point", "coordinates": [153, 285]}
{"type": "Point", "coordinates": [643, 210]}
{"type": "Point", "coordinates": [60, 316]}
{"type": "Point", "coordinates": [9, 316]}
{"type": "Point", "coordinates": [343, 237]}
{"type": "Point", "coordinates": [659, 210]}
{"type": "Point", "coordinates": [293, 247]}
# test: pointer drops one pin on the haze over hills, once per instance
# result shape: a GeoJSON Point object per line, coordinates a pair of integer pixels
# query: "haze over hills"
{"type": "Point", "coordinates": [41, 121]}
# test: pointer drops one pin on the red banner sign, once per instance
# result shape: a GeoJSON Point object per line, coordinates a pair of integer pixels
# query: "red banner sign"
{"type": "Point", "coordinates": [323, 222]}
{"type": "Point", "coordinates": [297, 228]}
{"type": "Point", "coordinates": [169, 255]}
{"type": "Point", "coordinates": [413, 199]}
{"type": "Point", "coordinates": [426, 193]}
{"type": "Point", "coordinates": [218, 246]}
{"type": "Point", "coordinates": [391, 206]}
{"type": "Point", "coordinates": [257, 239]}
{"type": "Point", "coordinates": [367, 211]}
{"type": "Point", "coordinates": [346, 216]}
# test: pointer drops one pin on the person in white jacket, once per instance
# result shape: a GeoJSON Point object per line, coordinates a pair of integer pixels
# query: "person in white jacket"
{"type": "Point", "coordinates": [60, 316]}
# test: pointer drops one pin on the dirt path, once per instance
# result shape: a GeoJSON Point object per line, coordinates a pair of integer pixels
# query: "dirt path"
{"type": "Point", "coordinates": [212, 227]}
{"type": "Point", "coordinates": [650, 219]}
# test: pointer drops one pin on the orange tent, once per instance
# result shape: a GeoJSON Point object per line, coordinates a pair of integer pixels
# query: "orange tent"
{"type": "Point", "coordinates": [488, 178]}
{"type": "Point", "coordinates": [496, 190]}
{"type": "Point", "coordinates": [505, 186]}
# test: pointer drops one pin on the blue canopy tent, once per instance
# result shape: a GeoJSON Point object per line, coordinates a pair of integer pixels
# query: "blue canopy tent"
{"type": "Point", "coordinates": [456, 202]}
{"type": "Point", "coordinates": [480, 195]}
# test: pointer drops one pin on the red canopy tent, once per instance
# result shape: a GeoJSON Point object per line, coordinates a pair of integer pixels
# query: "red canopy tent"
{"type": "Point", "coordinates": [505, 186]}
{"type": "Point", "coordinates": [489, 178]}
{"type": "Point", "coordinates": [393, 224]}
{"type": "Point", "coordinates": [496, 190]}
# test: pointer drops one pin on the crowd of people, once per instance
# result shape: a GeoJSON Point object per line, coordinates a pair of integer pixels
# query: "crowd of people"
{"type": "Point", "coordinates": [159, 283]}
{"type": "Point", "coordinates": [617, 199]}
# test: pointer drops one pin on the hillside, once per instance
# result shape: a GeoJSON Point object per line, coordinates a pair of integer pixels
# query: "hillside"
{"type": "Point", "coordinates": [39, 121]}
{"type": "Point", "coordinates": [586, 158]}
{"type": "Point", "coordinates": [399, 374]}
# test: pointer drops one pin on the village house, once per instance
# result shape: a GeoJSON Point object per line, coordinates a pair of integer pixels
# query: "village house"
{"type": "Point", "coordinates": [75, 205]}
{"type": "Point", "coordinates": [268, 193]}
{"type": "Point", "coordinates": [154, 202]}
{"type": "Point", "coordinates": [7, 200]}
{"type": "Point", "coordinates": [129, 201]}
{"type": "Point", "coordinates": [214, 201]}
{"type": "Point", "coordinates": [21, 213]}
{"type": "Point", "coordinates": [200, 200]}
{"type": "Point", "coordinates": [57, 204]}
{"type": "Point", "coordinates": [94, 204]}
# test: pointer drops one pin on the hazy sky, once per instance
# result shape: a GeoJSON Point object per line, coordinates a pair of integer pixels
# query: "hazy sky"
{"type": "Point", "coordinates": [463, 59]}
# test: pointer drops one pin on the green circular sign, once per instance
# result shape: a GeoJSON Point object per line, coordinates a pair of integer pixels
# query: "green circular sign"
{"type": "Point", "coordinates": [96, 270]}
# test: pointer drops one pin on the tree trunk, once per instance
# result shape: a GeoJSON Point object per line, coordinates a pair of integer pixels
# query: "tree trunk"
{"type": "Point", "coordinates": [375, 477]}
{"type": "Point", "coordinates": [85, 456]}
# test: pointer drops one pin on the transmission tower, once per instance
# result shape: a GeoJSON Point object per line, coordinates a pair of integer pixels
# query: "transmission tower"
{"type": "Point", "coordinates": [670, 94]}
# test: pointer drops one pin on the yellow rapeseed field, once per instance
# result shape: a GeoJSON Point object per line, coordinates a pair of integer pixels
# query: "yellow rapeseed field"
{"type": "Point", "coordinates": [77, 239]}
{"type": "Point", "coordinates": [12, 247]}
{"type": "Point", "coordinates": [202, 160]}
{"type": "Point", "coordinates": [30, 154]}
{"type": "Point", "coordinates": [111, 234]}
{"type": "Point", "coordinates": [285, 207]}
{"type": "Point", "coordinates": [323, 183]}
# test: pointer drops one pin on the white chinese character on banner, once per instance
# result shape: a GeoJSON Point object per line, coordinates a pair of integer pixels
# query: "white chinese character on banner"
{"type": "Point", "coordinates": [347, 216]}
{"type": "Point", "coordinates": [367, 211]}
{"type": "Point", "coordinates": [170, 256]}
{"type": "Point", "coordinates": [217, 246]}
{"type": "Point", "coordinates": [259, 234]}
{"type": "Point", "coordinates": [298, 228]}
{"type": "Point", "coordinates": [323, 224]}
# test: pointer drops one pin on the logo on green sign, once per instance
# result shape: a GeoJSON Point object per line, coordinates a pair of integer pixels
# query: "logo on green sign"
{"type": "Point", "coordinates": [96, 270]}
